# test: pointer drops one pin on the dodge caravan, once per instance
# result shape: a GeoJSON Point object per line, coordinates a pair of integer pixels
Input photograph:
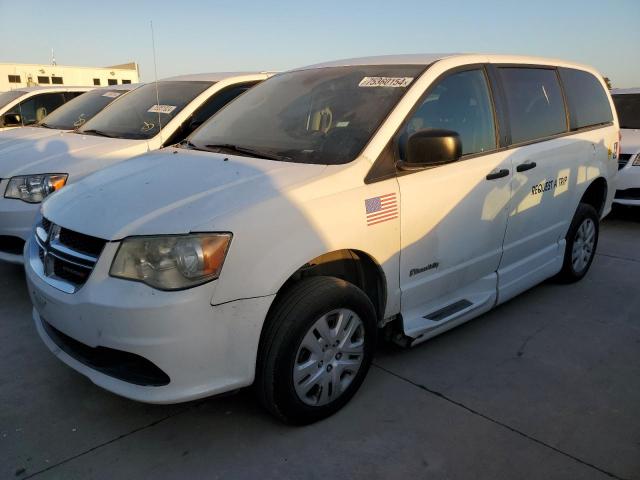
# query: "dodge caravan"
{"type": "Point", "coordinates": [26, 106]}
{"type": "Point", "coordinates": [150, 117]}
{"type": "Point", "coordinates": [68, 117]}
{"type": "Point", "coordinates": [328, 206]}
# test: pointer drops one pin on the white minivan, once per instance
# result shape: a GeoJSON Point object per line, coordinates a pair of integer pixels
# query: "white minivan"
{"type": "Point", "coordinates": [66, 118]}
{"type": "Point", "coordinates": [627, 102]}
{"type": "Point", "coordinates": [403, 194]}
{"type": "Point", "coordinates": [29, 105]}
{"type": "Point", "coordinates": [148, 118]}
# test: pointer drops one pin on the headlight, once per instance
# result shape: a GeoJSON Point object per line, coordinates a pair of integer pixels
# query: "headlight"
{"type": "Point", "coordinates": [34, 188]}
{"type": "Point", "coordinates": [636, 162]}
{"type": "Point", "coordinates": [172, 262]}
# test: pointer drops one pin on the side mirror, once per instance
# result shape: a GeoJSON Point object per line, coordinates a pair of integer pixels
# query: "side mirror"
{"type": "Point", "coordinates": [431, 147]}
{"type": "Point", "coordinates": [12, 120]}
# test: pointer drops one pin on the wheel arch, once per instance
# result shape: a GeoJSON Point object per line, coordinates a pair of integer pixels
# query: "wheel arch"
{"type": "Point", "coordinates": [352, 265]}
{"type": "Point", "coordinates": [596, 194]}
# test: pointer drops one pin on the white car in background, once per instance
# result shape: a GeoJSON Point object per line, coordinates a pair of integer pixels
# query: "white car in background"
{"type": "Point", "coordinates": [627, 102]}
{"type": "Point", "coordinates": [129, 126]}
{"type": "Point", "coordinates": [405, 193]}
{"type": "Point", "coordinates": [27, 106]}
{"type": "Point", "coordinates": [68, 117]}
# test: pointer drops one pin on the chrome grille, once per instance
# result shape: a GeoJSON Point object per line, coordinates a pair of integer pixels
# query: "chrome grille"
{"type": "Point", "coordinates": [623, 159]}
{"type": "Point", "coordinates": [62, 257]}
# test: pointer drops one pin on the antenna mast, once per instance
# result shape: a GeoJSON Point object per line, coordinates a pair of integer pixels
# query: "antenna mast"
{"type": "Point", "coordinates": [155, 72]}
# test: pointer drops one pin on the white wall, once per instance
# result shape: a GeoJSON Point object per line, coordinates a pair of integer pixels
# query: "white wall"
{"type": "Point", "coordinates": [71, 76]}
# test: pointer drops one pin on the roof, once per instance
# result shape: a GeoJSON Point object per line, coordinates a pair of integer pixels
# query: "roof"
{"type": "Point", "coordinates": [624, 91]}
{"type": "Point", "coordinates": [124, 66]}
{"type": "Point", "coordinates": [409, 59]}
{"type": "Point", "coordinates": [57, 88]}
{"type": "Point", "coordinates": [429, 58]}
{"type": "Point", "coordinates": [207, 77]}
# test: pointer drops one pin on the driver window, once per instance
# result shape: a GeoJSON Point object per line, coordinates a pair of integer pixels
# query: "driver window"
{"type": "Point", "coordinates": [34, 109]}
{"type": "Point", "coordinates": [461, 103]}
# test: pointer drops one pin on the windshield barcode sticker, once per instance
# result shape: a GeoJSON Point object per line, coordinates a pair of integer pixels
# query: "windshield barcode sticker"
{"type": "Point", "coordinates": [162, 109]}
{"type": "Point", "coordinates": [111, 94]}
{"type": "Point", "coordinates": [393, 82]}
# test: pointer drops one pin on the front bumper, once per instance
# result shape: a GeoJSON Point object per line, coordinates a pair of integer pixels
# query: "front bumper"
{"type": "Point", "coordinates": [16, 224]}
{"type": "Point", "coordinates": [628, 185]}
{"type": "Point", "coordinates": [202, 348]}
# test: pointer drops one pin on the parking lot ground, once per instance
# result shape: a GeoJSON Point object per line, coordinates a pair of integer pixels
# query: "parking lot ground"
{"type": "Point", "coordinates": [546, 386]}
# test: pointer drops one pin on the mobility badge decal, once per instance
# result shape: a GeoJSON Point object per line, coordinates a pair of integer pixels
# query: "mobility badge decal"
{"type": "Point", "coordinates": [380, 209]}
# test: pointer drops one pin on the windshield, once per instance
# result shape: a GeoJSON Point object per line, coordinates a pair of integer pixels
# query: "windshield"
{"type": "Point", "coordinates": [7, 97]}
{"type": "Point", "coordinates": [628, 108]}
{"type": "Point", "coordinates": [141, 115]}
{"type": "Point", "coordinates": [75, 113]}
{"type": "Point", "coordinates": [321, 116]}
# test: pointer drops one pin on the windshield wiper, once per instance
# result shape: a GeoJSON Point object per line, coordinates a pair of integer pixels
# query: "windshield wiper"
{"type": "Point", "coordinates": [93, 131]}
{"type": "Point", "coordinates": [250, 152]}
{"type": "Point", "coordinates": [186, 144]}
{"type": "Point", "coordinates": [44, 125]}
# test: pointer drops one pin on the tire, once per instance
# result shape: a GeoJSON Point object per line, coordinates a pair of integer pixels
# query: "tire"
{"type": "Point", "coordinates": [582, 241]}
{"type": "Point", "coordinates": [300, 333]}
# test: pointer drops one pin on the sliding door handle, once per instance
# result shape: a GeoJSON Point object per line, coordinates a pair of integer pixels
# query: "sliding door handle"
{"type": "Point", "coordinates": [498, 174]}
{"type": "Point", "coordinates": [523, 167]}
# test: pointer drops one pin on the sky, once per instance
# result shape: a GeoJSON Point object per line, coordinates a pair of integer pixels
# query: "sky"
{"type": "Point", "coordinates": [193, 37]}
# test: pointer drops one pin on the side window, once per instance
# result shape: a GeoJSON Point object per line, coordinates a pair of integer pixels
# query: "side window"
{"type": "Point", "coordinates": [461, 103]}
{"type": "Point", "coordinates": [36, 108]}
{"type": "Point", "coordinates": [207, 110]}
{"type": "Point", "coordinates": [534, 103]}
{"type": "Point", "coordinates": [588, 102]}
{"type": "Point", "coordinates": [216, 102]}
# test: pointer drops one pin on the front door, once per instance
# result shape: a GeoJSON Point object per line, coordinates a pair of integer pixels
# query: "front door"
{"type": "Point", "coordinates": [454, 216]}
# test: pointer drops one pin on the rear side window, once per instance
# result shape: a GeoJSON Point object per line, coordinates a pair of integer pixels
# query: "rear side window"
{"type": "Point", "coordinates": [534, 103]}
{"type": "Point", "coordinates": [588, 102]}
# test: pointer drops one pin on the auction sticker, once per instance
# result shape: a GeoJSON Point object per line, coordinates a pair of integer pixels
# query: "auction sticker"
{"type": "Point", "coordinates": [111, 94]}
{"type": "Point", "coordinates": [162, 109]}
{"type": "Point", "coordinates": [392, 82]}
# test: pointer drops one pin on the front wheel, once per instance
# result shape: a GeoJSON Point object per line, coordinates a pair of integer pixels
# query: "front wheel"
{"type": "Point", "coordinates": [581, 244]}
{"type": "Point", "coordinates": [316, 349]}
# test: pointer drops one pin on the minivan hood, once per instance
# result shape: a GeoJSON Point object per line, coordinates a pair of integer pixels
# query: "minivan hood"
{"type": "Point", "coordinates": [630, 142]}
{"type": "Point", "coordinates": [170, 192]}
{"type": "Point", "coordinates": [19, 135]}
{"type": "Point", "coordinates": [60, 153]}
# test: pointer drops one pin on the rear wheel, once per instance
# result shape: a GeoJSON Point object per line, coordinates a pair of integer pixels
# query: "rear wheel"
{"type": "Point", "coordinates": [582, 241]}
{"type": "Point", "coordinates": [316, 349]}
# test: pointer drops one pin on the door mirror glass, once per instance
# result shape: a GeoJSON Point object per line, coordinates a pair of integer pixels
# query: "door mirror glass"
{"type": "Point", "coordinates": [431, 147]}
{"type": "Point", "coordinates": [12, 120]}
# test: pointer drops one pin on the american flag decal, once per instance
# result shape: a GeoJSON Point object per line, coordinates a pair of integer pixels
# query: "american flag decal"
{"type": "Point", "coordinates": [380, 209]}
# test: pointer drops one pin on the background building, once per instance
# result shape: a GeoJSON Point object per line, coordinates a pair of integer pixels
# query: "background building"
{"type": "Point", "coordinates": [16, 75]}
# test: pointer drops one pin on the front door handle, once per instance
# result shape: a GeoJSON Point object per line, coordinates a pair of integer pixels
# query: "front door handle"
{"type": "Point", "coordinates": [523, 167]}
{"type": "Point", "coordinates": [498, 174]}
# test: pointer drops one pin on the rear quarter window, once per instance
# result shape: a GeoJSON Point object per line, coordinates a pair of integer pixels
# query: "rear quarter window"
{"type": "Point", "coordinates": [535, 104]}
{"type": "Point", "coordinates": [587, 99]}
